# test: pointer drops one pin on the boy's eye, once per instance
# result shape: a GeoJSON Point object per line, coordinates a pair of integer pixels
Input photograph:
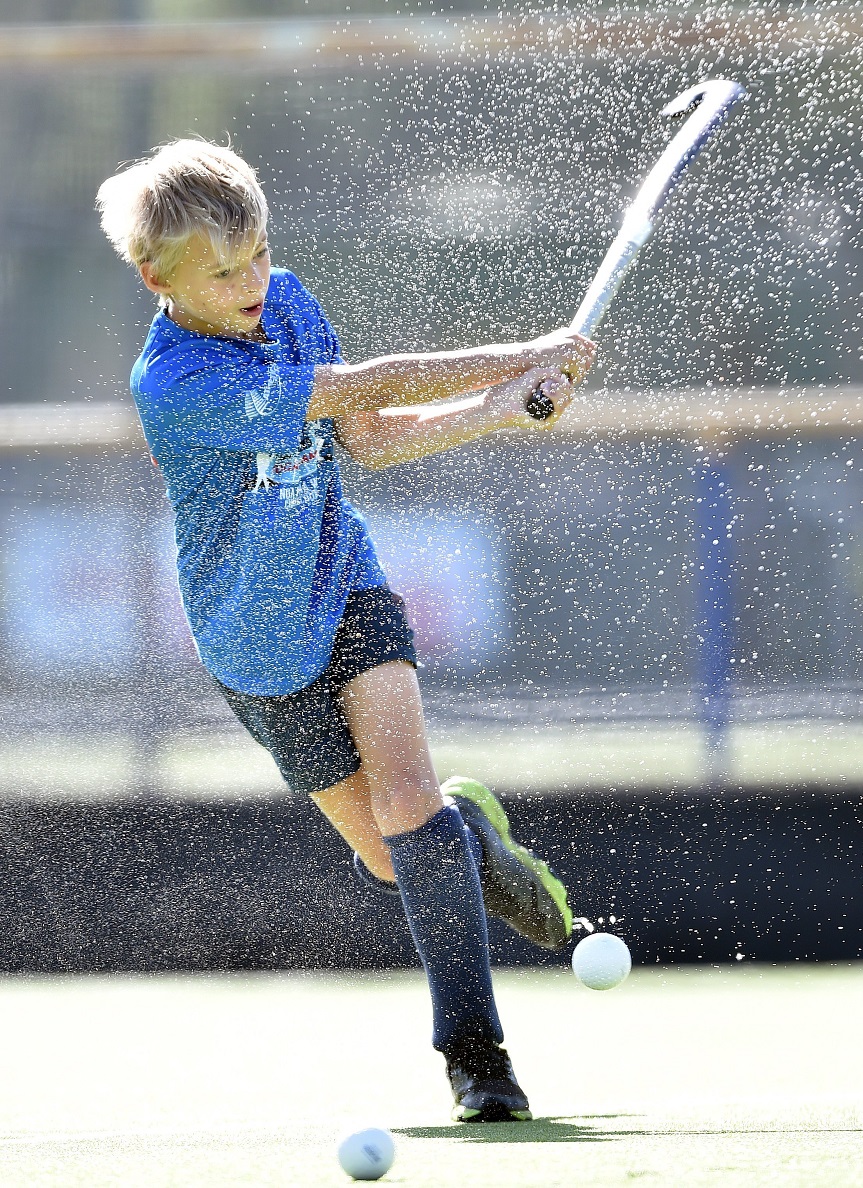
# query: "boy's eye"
{"type": "Point", "coordinates": [223, 273]}
{"type": "Point", "coordinates": [264, 250]}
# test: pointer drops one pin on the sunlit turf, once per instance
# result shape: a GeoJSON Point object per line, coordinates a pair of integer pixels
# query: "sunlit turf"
{"type": "Point", "coordinates": [744, 1076]}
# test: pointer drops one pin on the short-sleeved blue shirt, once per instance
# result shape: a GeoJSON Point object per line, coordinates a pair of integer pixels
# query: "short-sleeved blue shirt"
{"type": "Point", "coordinates": [268, 547]}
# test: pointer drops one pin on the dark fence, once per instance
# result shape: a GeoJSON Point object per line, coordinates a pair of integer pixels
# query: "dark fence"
{"type": "Point", "coordinates": [156, 886]}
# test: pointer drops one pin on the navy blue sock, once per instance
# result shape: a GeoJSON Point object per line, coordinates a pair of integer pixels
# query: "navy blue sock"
{"type": "Point", "coordinates": [473, 842]}
{"type": "Point", "coordinates": [439, 885]}
{"type": "Point", "coordinates": [368, 879]}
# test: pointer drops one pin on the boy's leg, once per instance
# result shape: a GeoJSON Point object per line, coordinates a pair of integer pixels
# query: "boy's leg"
{"type": "Point", "coordinates": [439, 885]}
{"type": "Point", "coordinates": [348, 807]}
{"type": "Point", "coordinates": [444, 906]}
{"type": "Point", "coordinates": [517, 886]}
{"type": "Point", "coordinates": [309, 737]}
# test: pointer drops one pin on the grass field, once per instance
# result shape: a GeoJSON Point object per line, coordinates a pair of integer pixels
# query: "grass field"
{"type": "Point", "coordinates": [714, 1076]}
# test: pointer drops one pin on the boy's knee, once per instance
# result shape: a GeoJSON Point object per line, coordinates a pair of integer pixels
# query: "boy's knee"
{"type": "Point", "coordinates": [404, 805]}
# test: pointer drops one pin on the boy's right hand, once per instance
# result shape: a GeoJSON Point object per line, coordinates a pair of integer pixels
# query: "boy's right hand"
{"type": "Point", "coordinates": [568, 352]}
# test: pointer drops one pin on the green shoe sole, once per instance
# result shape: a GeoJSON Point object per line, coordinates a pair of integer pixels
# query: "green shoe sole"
{"type": "Point", "coordinates": [490, 806]}
{"type": "Point", "coordinates": [463, 1114]}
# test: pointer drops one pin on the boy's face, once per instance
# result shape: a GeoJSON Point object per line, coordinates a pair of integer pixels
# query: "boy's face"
{"type": "Point", "coordinates": [210, 296]}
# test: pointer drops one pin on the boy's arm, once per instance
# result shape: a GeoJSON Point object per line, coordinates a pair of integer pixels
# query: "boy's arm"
{"type": "Point", "coordinates": [346, 390]}
{"type": "Point", "coordinates": [392, 435]}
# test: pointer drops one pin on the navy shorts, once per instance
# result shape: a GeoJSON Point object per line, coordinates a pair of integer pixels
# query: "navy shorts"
{"type": "Point", "coordinates": [306, 732]}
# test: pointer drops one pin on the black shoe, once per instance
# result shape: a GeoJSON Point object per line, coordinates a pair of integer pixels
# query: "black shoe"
{"type": "Point", "coordinates": [483, 1083]}
{"type": "Point", "coordinates": [517, 887]}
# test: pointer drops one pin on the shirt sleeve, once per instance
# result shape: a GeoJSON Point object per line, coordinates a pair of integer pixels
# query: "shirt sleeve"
{"type": "Point", "coordinates": [233, 401]}
{"type": "Point", "coordinates": [326, 341]}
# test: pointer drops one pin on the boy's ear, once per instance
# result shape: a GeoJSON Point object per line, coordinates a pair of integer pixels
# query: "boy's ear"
{"type": "Point", "coordinates": [151, 280]}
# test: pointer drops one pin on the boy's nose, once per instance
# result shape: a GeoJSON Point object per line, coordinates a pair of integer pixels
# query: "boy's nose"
{"type": "Point", "coordinates": [255, 276]}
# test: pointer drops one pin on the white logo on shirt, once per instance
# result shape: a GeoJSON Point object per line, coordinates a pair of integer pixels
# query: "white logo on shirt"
{"type": "Point", "coordinates": [296, 475]}
{"type": "Point", "coordinates": [260, 402]}
{"type": "Point", "coordinates": [263, 478]}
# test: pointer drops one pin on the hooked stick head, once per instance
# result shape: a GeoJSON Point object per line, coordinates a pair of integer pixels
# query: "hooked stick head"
{"type": "Point", "coordinates": [718, 93]}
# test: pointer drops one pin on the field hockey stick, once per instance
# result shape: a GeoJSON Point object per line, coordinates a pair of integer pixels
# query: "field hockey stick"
{"type": "Point", "coordinates": [710, 103]}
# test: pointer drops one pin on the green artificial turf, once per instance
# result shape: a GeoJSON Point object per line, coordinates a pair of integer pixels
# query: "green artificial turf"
{"type": "Point", "coordinates": [715, 1076]}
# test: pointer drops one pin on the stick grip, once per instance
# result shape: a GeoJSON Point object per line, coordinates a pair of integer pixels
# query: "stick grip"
{"type": "Point", "coordinates": [540, 406]}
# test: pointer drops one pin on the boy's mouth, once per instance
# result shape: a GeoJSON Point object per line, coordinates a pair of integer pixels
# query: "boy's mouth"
{"type": "Point", "coordinates": [253, 311]}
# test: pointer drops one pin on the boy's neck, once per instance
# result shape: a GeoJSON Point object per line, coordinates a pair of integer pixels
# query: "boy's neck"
{"type": "Point", "coordinates": [257, 334]}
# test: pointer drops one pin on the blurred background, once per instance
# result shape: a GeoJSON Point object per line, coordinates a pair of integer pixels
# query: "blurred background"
{"type": "Point", "coordinates": [689, 748]}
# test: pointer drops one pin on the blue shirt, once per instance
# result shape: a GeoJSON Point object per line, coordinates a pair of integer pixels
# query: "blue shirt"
{"type": "Point", "coordinates": [268, 547]}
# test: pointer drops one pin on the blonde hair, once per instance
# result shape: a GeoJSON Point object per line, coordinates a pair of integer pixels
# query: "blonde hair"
{"type": "Point", "coordinates": [153, 208]}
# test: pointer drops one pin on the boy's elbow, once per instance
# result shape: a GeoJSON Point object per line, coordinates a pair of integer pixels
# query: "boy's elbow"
{"type": "Point", "coordinates": [333, 393]}
{"type": "Point", "coordinates": [363, 441]}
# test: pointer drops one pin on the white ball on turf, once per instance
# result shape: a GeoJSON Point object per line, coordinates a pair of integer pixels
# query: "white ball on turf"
{"type": "Point", "coordinates": [368, 1154]}
{"type": "Point", "coordinates": [601, 961]}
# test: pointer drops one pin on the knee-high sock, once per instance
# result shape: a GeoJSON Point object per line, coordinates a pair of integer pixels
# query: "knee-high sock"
{"type": "Point", "coordinates": [439, 885]}
{"type": "Point", "coordinates": [368, 879]}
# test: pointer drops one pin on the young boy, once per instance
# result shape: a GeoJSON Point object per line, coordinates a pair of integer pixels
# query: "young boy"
{"type": "Point", "coordinates": [242, 393]}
